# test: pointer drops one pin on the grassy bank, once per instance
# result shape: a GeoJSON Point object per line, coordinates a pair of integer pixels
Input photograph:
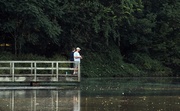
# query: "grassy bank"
{"type": "Point", "coordinates": [112, 64]}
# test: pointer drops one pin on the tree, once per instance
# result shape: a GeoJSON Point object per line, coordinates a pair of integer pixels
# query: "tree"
{"type": "Point", "coordinates": [28, 21]}
{"type": "Point", "coordinates": [167, 41]}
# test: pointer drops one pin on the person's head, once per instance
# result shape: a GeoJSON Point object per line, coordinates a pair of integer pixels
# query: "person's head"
{"type": "Point", "coordinates": [73, 49]}
{"type": "Point", "coordinates": [78, 49]}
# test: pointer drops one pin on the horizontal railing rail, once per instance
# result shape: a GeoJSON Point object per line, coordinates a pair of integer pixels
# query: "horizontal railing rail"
{"type": "Point", "coordinates": [56, 68]}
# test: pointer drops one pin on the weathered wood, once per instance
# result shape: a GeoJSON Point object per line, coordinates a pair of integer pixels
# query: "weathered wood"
{"type": "Point", "coordinates": [55, 67]}
{"type": "Point", "coordinates": [38, 75]}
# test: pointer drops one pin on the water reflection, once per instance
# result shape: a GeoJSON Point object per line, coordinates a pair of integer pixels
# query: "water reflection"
{"type": "Point", "coordinates": [104, 94]}
{"type": "Point", "coordinates": [130, 94]}
{"type": "Point", "coordinates": [40, 100]}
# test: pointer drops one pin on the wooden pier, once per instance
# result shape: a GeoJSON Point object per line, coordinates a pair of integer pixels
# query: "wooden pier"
{"type": "Point", "coordinates": [38, 73]}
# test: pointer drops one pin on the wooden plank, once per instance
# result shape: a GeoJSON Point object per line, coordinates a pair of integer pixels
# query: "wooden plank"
{"type": "Point", "coordinates": [5, 68]}
{"type": "Point", "coordinates": [38, 68]}
{"type": "Point", "coordinates": [5, 62]}
{"type": "Point", "coordinates": [38, 75]}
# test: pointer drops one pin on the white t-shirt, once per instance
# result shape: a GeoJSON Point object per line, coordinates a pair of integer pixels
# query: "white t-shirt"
{"type": "Point", "coordinates": [75, 55]}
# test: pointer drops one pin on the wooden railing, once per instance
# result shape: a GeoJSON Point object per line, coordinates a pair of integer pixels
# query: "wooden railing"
{"type": "Point", "coordinates": [37, 70]}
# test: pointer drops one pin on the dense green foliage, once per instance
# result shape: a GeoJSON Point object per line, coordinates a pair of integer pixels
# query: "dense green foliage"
{"type": "Point", "coordinates": [118, 38]}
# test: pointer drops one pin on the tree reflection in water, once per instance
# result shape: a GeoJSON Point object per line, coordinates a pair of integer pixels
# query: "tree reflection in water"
{"type": "Point", "coordinates": [39, 100]}
{"type": "Point", "coordinates": [130, 94]}
{"type": "Point", "coordinates": [104, 94]}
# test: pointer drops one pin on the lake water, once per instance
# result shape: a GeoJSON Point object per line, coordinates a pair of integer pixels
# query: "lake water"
{"type": "Point", "coordinates": [101, 94]}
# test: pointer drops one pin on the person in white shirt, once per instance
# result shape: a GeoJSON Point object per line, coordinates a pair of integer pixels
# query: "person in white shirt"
{"type": "Point", "coordinates": [77, 59]}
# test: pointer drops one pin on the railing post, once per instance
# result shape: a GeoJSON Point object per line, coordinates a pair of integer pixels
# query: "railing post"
{"type": "Point", "coordinates": [10, 68]}
{"type": "Point", "coordinates": [79, 72]}
{"type": "Point", "coordinates": [13, 71]}
{"type": "Point", "coordinates": [35, 71]}
{"type": "Point", "coordinates": [52, 64]}
{"type": "Point", "coordinates": [31, 67]}
{"type": "Point", "coordinates": [57, 69]}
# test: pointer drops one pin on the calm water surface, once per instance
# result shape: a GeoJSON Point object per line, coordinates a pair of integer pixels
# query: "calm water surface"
{"type": "Point", "coordinates": [102, 94]}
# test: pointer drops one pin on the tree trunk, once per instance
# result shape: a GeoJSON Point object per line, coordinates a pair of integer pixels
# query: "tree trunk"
{"type": "Point", "coordinates": [15, 46]}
